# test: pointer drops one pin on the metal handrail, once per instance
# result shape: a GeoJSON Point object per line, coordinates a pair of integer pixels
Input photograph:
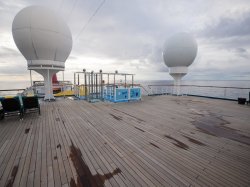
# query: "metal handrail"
{"type": "Point", "coordinates": [197, 86]}
{"type": "Point", "coordinates": [223, 92]}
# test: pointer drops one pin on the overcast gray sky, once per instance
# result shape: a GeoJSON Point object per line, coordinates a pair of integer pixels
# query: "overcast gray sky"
{"type": "Point", "coordinates": [128, 36]}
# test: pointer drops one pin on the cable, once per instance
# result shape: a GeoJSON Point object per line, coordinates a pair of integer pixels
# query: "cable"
{"type": "Point", "coordinates": [69, 15]}
{"type": "Point", "coordinates": [90, 19]}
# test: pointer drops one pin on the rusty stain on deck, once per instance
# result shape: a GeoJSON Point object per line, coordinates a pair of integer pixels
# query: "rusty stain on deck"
{"type": "Point", "coordinates": [194, 141]}
{"type": "Point", "coordinates": [139, 129]}
{"type": "Point", "coordinates": [59, 146]}
{"type": "Point", "coordinates": [154, 145]}
{"type": "Point", "coordinates": [178, 143]}
{"type": "Point", "coordinates": [119, 118]}
{"type": "Point", "coordinates": [12, 177]}
{"type": "Point", "coordinates": [138, 119]}
{"type": "Point", "coordinates": [84, 175]}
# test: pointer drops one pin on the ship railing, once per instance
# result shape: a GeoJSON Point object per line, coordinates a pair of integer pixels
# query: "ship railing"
{"type": "Point", "coordinates": [230, 93]}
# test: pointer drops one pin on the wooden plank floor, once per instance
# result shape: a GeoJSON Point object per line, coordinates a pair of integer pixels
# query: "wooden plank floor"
{"type": "Point", "coordinates": [159, 141]}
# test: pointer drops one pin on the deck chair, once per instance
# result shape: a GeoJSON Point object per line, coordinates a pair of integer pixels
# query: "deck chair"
{"type": "Point", "coordinates": [31, 104]}
{"type": "Point", "coordinates": [1, 112]}
{"type": "Point", "coordinates": [12, 106]}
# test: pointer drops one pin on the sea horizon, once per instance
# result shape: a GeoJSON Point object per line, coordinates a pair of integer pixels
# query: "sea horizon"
{"type": "Point", "coordinates": [4, 85]}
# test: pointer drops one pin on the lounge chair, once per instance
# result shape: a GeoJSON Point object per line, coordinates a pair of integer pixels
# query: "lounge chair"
{"type": "Point", "coordinates": [12, 106]}
{"type": "Point", "coordinates": [1, 112]}
{"type": "Point", "coordinates": [31, 104]}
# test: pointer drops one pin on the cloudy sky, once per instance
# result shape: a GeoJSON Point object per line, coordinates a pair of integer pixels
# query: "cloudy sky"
{"type": "Point", "coordinates": [128, 36]}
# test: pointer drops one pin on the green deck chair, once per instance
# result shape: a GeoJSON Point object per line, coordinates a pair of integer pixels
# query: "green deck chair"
{"type": "Point", "coordinates": [31, 104]}
{"type": "Point", "coordinates": [12, 106]}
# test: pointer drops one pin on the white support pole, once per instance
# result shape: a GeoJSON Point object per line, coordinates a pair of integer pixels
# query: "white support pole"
{"type": "Point", "coordinates": [30, 79]}
{"type": "Point", "coordinates": [177, 73]}
{"type": "Point", "coordinates": [48, 87]}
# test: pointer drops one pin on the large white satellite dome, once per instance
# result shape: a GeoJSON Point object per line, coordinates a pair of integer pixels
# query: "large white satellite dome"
{"type": "Point", "coordinates": [180, 50]}
{"type": "Point", "coordinates": [42, 37]}
{"type": "Point", "coordinates": [45, 41]}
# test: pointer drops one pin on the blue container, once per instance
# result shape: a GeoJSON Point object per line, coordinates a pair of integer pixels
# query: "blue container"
{"type": "Point", "coordinates": [135, 93]}
{"type": "Point", "coordinates": [108, 93]}
{"type": "Point", "coordinates": [121, 95]}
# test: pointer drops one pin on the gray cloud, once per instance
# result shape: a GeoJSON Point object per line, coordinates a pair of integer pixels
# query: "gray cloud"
{"type": "Point", "coordinates": [130, 34]}
{"type": "Point", "coordinates": [19, 70]}
{"type": "Point", "coordinates": [8, 52]}
{"type": "Point", "coordinates": [229, 27]}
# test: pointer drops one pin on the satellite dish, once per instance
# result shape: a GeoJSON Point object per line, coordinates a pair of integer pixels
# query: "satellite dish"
{"type": "Point", "coordinates": [179, 52]}
{"type": "Point", "coordinates": [45, 41]}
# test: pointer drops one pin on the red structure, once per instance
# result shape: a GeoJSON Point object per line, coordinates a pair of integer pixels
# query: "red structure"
{"type": "Point", "coordinates": [54, 79]}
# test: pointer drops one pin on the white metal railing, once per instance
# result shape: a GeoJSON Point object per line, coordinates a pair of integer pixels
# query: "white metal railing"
{"type": "Point", "coordinates": [198, 90]}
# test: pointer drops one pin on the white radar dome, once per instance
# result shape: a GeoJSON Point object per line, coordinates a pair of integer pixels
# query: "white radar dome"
{"type": "Point", "coordinates": [42, 37]}
{"type": "Point", "coordinates": [180, 50]}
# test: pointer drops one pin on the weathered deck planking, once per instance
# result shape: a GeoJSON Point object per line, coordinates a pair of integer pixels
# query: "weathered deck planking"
{"type": "Point", "coordinates": [155, 142]}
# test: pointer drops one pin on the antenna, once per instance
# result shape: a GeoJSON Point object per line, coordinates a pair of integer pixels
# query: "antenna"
{"type": "Point", "coordinates": [90, 18]}
{"type": "Point", "coordinates": [179, 52]}
{"type": "Point", "coordinates": [48, 48]}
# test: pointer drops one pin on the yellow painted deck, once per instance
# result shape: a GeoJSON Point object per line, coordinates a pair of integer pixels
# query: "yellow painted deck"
{"type": "Point", "coordinates": [159, 141]}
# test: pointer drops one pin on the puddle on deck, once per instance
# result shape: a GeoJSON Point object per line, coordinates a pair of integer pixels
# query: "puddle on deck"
{"type": "Point", "coordinates": [12, 177]}
{"type": "Point", "coordinates": [84, 175]}
{"type": "Point", "coordinates": [177, 142]}
{"type": "Point", "coordinates": [215, 125]}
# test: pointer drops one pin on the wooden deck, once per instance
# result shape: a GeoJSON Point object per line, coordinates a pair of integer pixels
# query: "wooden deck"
{"type": "Point", "coordinates": [160, 141]}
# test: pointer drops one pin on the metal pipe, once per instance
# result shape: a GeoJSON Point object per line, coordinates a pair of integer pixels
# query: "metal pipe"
{"type": "Point", "coordinates": [96, 86]}
{"type": "Point", "coordinates": [92, 88]}
{"type": "Point", "coordinates": [101, 85]}
{"type": "Point", "coordinates": [30, 79]}
{"type": "Point", "coordinates": [132, 81]}
{"type": "Point", "coordinates": [49, 86]}
{"type": "Point", "coordinates": [85, 85]}
{"type": "Point", "coordinates": [125, 81]}
{"type": "Point", "coordinates": [63, 84]}
{"type": "Point", "coordinates": [89, 87]}
{"type": "Point", "coordinates": [74, 78]}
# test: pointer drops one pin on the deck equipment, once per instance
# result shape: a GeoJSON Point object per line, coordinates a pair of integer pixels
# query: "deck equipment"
{"type": "Point", "coordinates": [114, 87]}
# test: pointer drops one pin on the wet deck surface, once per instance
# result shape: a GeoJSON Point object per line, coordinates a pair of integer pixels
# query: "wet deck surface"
{"type": "Point", "coordinates": [161, 141]}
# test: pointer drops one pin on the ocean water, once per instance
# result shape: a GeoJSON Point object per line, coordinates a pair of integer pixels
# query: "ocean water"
{"type": "Point", "coordinates": [9, 85]}
{"type": "Point", "coordinates": [222, 89]}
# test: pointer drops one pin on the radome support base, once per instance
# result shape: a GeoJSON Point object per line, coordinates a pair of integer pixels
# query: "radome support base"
{"type": "Point", "coordinates": [177, 73]}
